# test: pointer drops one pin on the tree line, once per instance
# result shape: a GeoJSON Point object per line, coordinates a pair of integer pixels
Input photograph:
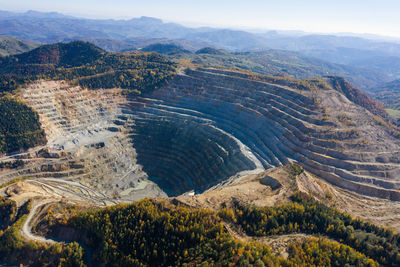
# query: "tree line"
{"type": "Point", "coordinates": [158, 233]}
{"type": "Point", "coordinates": [306, 215]}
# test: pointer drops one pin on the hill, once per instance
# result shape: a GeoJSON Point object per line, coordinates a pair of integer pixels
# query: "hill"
{"type": "Point", "coordinates": [12, 46]}
{"type": "Point", "coordinates": [282, 63]}
{"type": "Point", "coordinates": [86, 65]}
{"type": "Point", "coordinates": [71, 54]}
{"type": "Point", "coordinates": [388, 93]}
{"type": "Point", "coordinates": [358, 97]}
{"type": "Point", "coordinates": [211, 51]}
{"type": "Point", "coordinates": [168, 49]}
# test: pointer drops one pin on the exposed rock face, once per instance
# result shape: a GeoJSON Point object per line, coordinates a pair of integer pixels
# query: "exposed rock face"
{"type": "Point", "coordinates": [86, 143]}
{"type": "Point", "coordinates": [181, 153]}
{"type": "Point", "coordinates": [206, 127]}
{"type": "Point", "coordinates": [356, 96]}
{"type": "Point", "coordinates": [271, 182]}
{"type": "Point", "coordinates": [94, 137]}
{"type": "Point", "coordinates": [329, 135]}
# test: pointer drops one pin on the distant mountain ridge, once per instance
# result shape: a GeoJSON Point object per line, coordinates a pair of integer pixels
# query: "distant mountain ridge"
{"type": "Point", "coordinates": [283, 63]}
{"type": "Point", "coordinates": [168, 49]}
{"type": "Point", "coordinates": [373, 61]}
{"type": "Point", "coordinates": [55, 27]}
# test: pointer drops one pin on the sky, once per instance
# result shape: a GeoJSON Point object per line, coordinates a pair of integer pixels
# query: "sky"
{"type": "Point", "coordinates": [358, 16]}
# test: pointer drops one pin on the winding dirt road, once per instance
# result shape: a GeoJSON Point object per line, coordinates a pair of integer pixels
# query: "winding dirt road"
{"type": "Point", "coordinates": [26, 230]}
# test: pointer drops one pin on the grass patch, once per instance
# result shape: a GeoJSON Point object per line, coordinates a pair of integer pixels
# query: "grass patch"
{"type": "Point", "coordinates": [14, 181]}
{"type": "Point", "coordinates": [393, 113]}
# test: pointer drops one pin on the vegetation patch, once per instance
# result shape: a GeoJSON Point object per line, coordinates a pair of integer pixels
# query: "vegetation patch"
{"type": "Point", "coordinates": [19, 126]}
{"type": "Point", "coordinates": [8, 210]}
{"type": "Point", "coordinates": [306, 215]}
{"type": "Point", "coordinates": [11, 164]}
{"type": "Point", "coordinates": [294, 170]}
{"type": "Point", "coordinates": [322, 252]}
{"type": "Point", "coordinates": [393, 113]}
{"type": "Point", "coordinates": [16, 180]}
{"type": "Point", "coordinates": [158, 233]}
{"type": "Point", "coordinates": [150, 233]}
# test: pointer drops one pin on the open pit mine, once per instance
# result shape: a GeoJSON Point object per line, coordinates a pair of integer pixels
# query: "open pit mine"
{"type": "Point", "coordinates": [203, 129]}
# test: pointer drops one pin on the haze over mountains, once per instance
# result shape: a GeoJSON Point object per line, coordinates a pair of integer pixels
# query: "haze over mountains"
{"type": "Point", "coordinates": [373, 58]}
{"type": "Point", "coordinates": [55, 27]}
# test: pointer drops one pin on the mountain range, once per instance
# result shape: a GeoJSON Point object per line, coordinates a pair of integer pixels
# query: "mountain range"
{"type": "Point", "coordinates": [369, 62]}
{"type": "Point", "coordinates": [380, 58]}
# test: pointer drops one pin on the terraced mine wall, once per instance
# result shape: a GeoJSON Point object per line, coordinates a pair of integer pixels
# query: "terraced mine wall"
{"type": "Point", "coordinates": [278, 124]}
{"type": "Point", "coordinates": [87, 149]}
{"type": "Point", "coordinates": [204, 128]}
{"type": "Point", "coordinates": [98, 140]}
{"type": "Point", "coordinates": [181, 155]}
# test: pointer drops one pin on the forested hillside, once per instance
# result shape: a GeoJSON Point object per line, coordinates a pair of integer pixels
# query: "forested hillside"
{"type": "Point", "coordinates": [309, 216]}
{"type": "Point", "coordinates": [86, 65]}
{"type": "Point", "coordinates": [388, 93]}
{"type": "Point", "coordinates": [157, 233]}
{"type": "Point", "coordinates": [15, 249]}
{"type": "Point", "coordinates": [19, 126]}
